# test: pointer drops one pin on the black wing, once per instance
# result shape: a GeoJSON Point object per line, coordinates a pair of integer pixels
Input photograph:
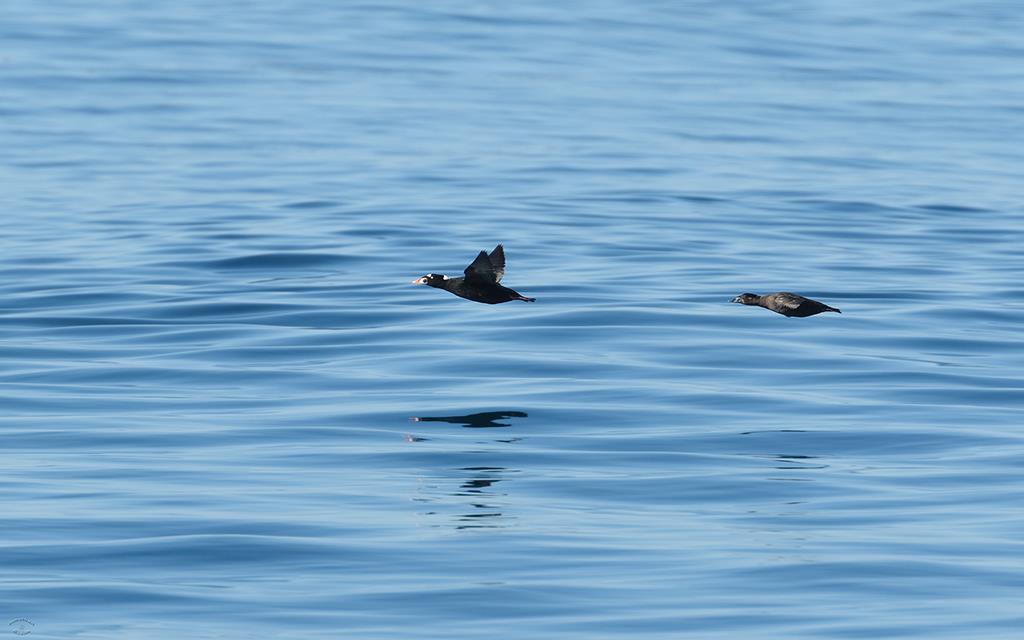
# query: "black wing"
{"type": "Point", "coordinates": [497, 258]}
{"type": "Point", "coordinates": [481, 270]}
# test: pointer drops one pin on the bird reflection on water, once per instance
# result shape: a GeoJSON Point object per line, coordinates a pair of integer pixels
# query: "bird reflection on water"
{"type": "Point", "coordinates": [478, 484]}
{"type": "Point", "coordinates": [484, 419]}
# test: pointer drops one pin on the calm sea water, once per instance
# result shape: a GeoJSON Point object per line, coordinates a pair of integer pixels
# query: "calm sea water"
{"type": "Point", "coordinates": [212, 357]}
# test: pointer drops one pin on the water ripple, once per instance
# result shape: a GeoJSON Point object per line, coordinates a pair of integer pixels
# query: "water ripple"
{"type": "Point", "coordinates": [227, 413]}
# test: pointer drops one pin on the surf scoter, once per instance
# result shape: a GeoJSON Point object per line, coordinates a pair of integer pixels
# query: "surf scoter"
{"type": "Point", "coordinates": [480, 282]}
{"type": "Point", "coordinates": [788, 304]}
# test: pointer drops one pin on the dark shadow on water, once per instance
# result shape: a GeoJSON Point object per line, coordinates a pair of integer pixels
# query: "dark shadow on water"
{"type": "Point", "coordinates": [477, 502]}
{"type": "Point", "coordinates": [480, 487]}
{"type": "Point", "coordinates": [790, 461]}
{"type": "Point", "coordinates": [485, 419]}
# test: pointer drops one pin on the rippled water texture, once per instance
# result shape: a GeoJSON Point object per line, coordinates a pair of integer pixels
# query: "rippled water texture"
{"type": "Point", "coordinates": [227, 413]}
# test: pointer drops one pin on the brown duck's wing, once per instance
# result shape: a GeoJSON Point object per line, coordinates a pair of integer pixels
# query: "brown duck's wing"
{"type": "Point", "coordinates": [497, 259]}
{"type": "Point", "coordinates": [787, 300]}
{"type": "Point", "coordinates": [481, 270]}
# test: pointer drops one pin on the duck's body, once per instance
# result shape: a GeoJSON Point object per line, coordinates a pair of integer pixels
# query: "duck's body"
{"type": "Point", "coordinates": [495, 294]}
{"type": "Point", "coordinates": [480, 282]}
{"type": "Point", "coordinates": [788, 304]}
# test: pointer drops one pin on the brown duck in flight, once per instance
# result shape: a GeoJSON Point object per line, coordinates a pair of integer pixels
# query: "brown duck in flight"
{"type": "Point", "coordinates": [788, 304]}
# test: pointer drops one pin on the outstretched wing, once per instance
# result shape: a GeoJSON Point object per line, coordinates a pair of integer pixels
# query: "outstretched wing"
{"type": "Point", "coordinates": [497, 258]}
{"type": "Point", "coordinates": [481, 270]}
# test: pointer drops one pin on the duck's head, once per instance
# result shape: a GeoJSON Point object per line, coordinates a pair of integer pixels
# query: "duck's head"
{"type": "Point", "coordinates": [747, 298]}
{"type": "Point", "coordinates": [432, 280]}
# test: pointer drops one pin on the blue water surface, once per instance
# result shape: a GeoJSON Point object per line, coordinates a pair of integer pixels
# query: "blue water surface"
{"type": "Point", "coordinates": [227, 414]}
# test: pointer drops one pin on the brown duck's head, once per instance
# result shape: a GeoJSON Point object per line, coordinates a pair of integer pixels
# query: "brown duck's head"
{"type": "Point", "coordinates": [747, 298]}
